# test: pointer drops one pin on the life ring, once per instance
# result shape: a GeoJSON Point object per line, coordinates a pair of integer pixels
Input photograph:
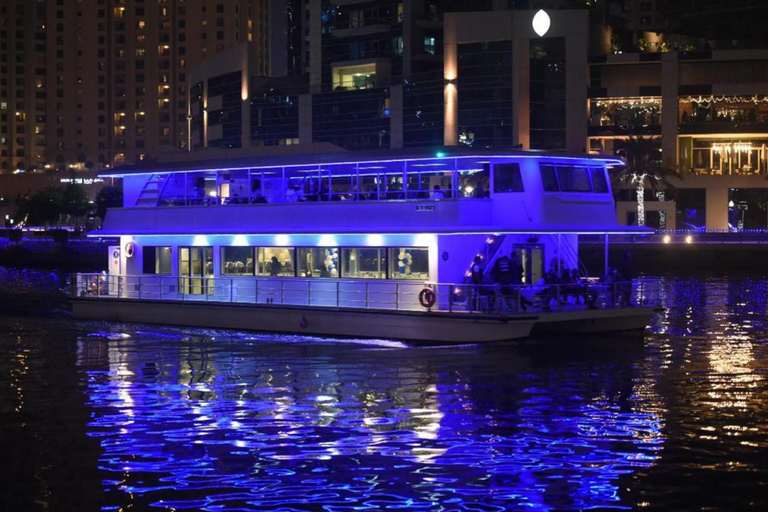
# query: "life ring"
{"type": "Point", "coordinates": [427, 298]}
{"type": "Point", "coordinates": [130, 249]}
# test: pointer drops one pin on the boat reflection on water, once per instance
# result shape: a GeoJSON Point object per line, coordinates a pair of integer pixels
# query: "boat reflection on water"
{"type": "Point", "coordinates": [213, 419]}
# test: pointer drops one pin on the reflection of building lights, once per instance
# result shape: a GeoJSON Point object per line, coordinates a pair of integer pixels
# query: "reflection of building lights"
{"type": "Point", "coordinates": [667, 239]}
{"type": "Point", "coordinates": [689, 239]}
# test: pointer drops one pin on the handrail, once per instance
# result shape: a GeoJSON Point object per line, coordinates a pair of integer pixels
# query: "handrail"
{"type": "Point", "coordinates": [366, 294]}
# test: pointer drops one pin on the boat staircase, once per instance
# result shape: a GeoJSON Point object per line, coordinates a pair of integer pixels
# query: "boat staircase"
{"type": "Point", "coordinates": [572, 253]}
{"type": "Point", "coordinates": [488, 254]}
{"type": "Point", "coordinates": [492, 251]}
{"type": "Point", "coordinates": [153, 190]}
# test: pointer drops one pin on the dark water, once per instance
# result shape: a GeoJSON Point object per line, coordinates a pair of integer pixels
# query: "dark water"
{"type": "Point", "coordinates": [128, 417]}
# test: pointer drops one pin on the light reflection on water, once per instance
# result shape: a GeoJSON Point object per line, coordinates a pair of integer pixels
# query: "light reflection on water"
{"type": "Point", "coordinates": [263, 424]}
{"type": "Point", "coordinates": [192, 419]}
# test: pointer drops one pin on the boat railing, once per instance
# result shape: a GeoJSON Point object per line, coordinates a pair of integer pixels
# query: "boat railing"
{"type": "Point", "coordinates": [384, 295]}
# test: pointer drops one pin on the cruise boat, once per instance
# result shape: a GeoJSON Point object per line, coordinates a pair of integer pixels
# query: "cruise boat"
{"type": "Point", "coordinates": [377, 245]}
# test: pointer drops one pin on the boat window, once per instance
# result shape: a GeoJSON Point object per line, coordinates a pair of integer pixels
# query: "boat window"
{"type": "Point", "coordinates": [157, 260]}
{"type": "Point", "coordinates": [364, 263]}
{"type": "Point", "coordinates": [409, 263]}
{"type": "Point", "coordinates": [237, 261]}
{"type": "Point", "coordinates": [574, 178]}
{"type": "Point", "coordinates": [507, 178]}
{"type": "Point", "coordinates": [549, 178]}
{"type": "Point", "coordinates": [473, 181]}
{"type": "Point", "coordinates": [599, 182]}
{"type": "Point", "coordinates": [425, 182]}
{"type": "Point", "coordinates": [318, 262]}
{"type": "Point", "coordinates": [276, 261]}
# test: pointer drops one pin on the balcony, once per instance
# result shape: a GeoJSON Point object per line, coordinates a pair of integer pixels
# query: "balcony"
{"type": "Point", "coordinates": [725, 114]}
{"type": "Point", "coordinates": [623, 116]}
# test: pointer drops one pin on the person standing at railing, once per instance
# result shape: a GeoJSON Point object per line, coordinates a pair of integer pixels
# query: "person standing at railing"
{"type": "Point", "coordinates": [609, 281]}
{"type": "Point", "coordinates": [476, 279]}
{"type": "Point", "coordinates": [625, 274]}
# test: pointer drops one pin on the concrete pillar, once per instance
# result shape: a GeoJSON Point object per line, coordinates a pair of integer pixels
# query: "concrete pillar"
{"type": "Point", "coordinates": [305, 119]}
{"type": "Point", "coordinates": [669, 109]}
{"type": "Point", "coordinates": [717, 207]}
{"type": "Point", "coordinates": [521, 93]}
{"type": "Point", "coordinates": [205, 113]}
{"type": "Point", "coordinates": [576, 83]}
{"type": "Point", "coordinates": [245, 96]}
{"type": "Point", "coordinates": [315, 46]}
{"type": "Point", "coordinates": [451, 73]}
{"type": "Point", "coordinates": [396, 116]}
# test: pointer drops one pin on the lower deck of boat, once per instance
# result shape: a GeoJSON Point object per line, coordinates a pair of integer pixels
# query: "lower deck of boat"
{"type": "Point", "coordinates": [414, 326]}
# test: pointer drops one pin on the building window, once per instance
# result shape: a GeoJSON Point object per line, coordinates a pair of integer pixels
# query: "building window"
{"type": "Point", "coordinates": [409, 263]}
{"type": "Point", "coordinates": [318, 262]}
{"type": "Point", "coordinates": [157, 260]}
{"type": "Point", "coordinates": [362, 76]}
{"type": "Point", "coordinates": [429, 45]}
{"type": "Point", "coordinates": [507, 178]}
{"type": "Point", "coordinates": [364, 263]}
{"type": "Point", "coordinates": [276, 261]}
{"type": "Point", "coordinates": [237, 261]}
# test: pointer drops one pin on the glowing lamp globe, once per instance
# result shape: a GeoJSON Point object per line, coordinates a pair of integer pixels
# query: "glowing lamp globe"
{"type": "Point", "coordinates": [541, 23]}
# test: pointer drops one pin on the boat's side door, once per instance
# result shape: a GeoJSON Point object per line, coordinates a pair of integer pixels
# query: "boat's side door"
{"type": "Point", "coordinates": [531, 257]}
{"type": "Point", "coordinates": [196, 270]}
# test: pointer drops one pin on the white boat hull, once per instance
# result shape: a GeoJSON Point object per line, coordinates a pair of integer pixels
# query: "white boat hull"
{"type": "Point", "coordinates": [343, 322]}
{"type": "Point", "coordinates": [595, 321]}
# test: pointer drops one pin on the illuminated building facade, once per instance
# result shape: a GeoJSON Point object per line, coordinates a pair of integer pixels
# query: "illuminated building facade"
{"type": "Point", "coordinates": [709, 113]}
{"type": "Point", "coordinates": [104, 82]}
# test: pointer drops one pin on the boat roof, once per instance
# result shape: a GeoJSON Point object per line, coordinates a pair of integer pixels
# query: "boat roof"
{"type": "Point", "coordinates": [457, 230]}
{"type": "Point", "coordinates": [348, 157]}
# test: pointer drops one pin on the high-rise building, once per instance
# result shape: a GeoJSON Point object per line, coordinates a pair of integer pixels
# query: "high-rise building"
{"type": "Point", "coordinates": [724, 23]}
{"type": "Point", "coordinates": [22, 85]}
{"type": "Point", "coordinates": [102, 82]}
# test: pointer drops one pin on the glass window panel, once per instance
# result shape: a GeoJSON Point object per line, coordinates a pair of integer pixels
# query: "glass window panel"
{"type": "Point", "coordinates": [599, 182]}
{"type": "Point", "coordinates": [162, 262]}
{"type": "Point", "coordinates": [237, 261]}
{"type": "Point", "coordinates": [365, 263]}
{"type": "Point", "coordinates": [276, 261]}
{"type": "Point", "coordinates": [409, 263]}
{"type": "Point", "coordinates": [369, 185]}
{"type": "Point", "coordinates": [318, 262]}
{"type": "Point", "coordinates": [148, 260]}
{"type": "Point", "coordinates": [573, 178]}
{"type": "Point", "coordinates": [507, 178]}
{"type": "Point", "coordinates": [341, 187]}
{"type": "Point", "coordinates": [549, 178]}
{"type": "Point", "coordinates": [184, 261]}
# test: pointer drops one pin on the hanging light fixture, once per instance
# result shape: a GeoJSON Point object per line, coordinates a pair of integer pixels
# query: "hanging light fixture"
{"type": "Point", "coordinates": [541, 23]}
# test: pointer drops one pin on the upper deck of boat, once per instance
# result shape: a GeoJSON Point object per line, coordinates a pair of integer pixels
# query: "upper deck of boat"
{"type": "Point", "coordinates": [406, 191]}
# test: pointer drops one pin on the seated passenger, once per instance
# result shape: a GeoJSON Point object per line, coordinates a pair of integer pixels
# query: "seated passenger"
{"type": "Point", "coordinates": [437, 193]}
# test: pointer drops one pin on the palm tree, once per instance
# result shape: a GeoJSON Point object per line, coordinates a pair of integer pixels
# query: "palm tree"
{"type": "Point", "coordinates": [644, 171]}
